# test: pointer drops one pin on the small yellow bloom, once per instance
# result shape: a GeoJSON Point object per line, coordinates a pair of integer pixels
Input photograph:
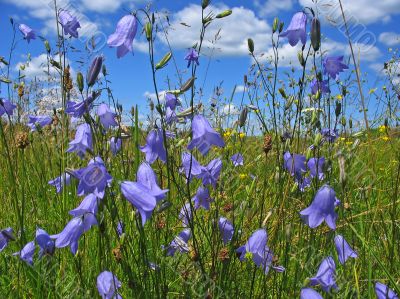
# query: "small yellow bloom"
{"type": "Point", "coordinates": [372, 90]}
{"type": "Point", "coordinates": [385, 138]}
{"type": "Point", "coordinates": [342, 139]}
{"type": "Point", "coordinates": [339, 97]}
{"type": "Point", "coordinates": [349, 142]}
{"type": "Point", "coordinates": [382, 129]}
{"type": "Point", "coordinates": [242, 176]}
{"type": "Point", "coordinates": [242, 135]}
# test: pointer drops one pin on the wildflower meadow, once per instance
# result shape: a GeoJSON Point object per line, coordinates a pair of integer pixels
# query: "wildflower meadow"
{"type": "Point", "coordinates": [285, 186]}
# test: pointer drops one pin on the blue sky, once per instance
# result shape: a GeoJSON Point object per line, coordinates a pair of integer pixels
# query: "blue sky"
{"type": "Point", "coordinates": [374, 25]}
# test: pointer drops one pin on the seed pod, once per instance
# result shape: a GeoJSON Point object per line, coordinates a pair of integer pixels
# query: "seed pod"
{"type": "Point", "coordinates": [188, 84]}
{"type": "Point", "coordinates": [47, 46]}
{"type": "Point", "coordinates": [338, 108]}
{"type": "Point", "coordinates": [243, 117]}
{"type": "Point", "coordinates": [79, 80]}
{"type": "Point", "coordinates": [164, 61]}
{"type": "Point", "coordinates": [148, 30]}
{"type": "Point", "coordinates": [275, 25]}
{"type": "Point", "coordinates": [315, 34]}
{"type": "Point", "coordinates": [250, 45]}
{"type": "Point", "coordinates": [343, 121]}
{"type": "Point", "coordinates": [350, 123]}
{"type": "Point", "coordinates": [94, 70]}
{"type": "Point", "coordinates": [224, 14]}
{"type": "Point", "coordinates": [282, 92]}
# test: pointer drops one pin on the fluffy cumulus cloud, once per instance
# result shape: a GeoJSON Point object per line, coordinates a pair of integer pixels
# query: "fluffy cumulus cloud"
{"type": "Point", "coordinates": [230, 109]}
{"type": "Point", "coordinates": [390, 38]}
{"type": "Point", "coordinates": [272, 7]}
{"type": "Point", "coordinates": [357, 11]}
{"type": "Point", "coordinates": [224, 37]}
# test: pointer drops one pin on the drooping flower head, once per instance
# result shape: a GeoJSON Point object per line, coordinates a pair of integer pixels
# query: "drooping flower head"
{"type": "Point", "coordinates": [297, 29]}
{"type": "Point", "coordinates": [333, 65]}
{"type": "Point", "coordinates": [77, 109]}
{"type": "Point", "coordinates": [382, 291]}
{"type": "Point", "coordinates": [322, 208]}
{"type": "Point", "coordinates": [144, 193]}
{"type": "Point", "coordinates": [226, 229]}
{"type": "Point", "coordinates": [115, 145]}
{"type": "Point", "coordinates": [237, 159]}
{"type": "Point", "coordinates": [26, 253]}
{"type": "Point", "coordinates": [154, 147]}
{"type": "Point", "coordinates": [321, 86]}
{"type": "Point", "coordinates": [46, 244]}
{"type": "Point", "coordinates": [107, 117]}
{"type": "Point", "coordinates": [61, 181]}
{"type": "Point", "coordinates": [180, 243]}
{"type": "Point", "coordinates": [308, 293]}
{"type": "Point", "coordinates": [69, 23]}
{"type": "Point", "coordinates": [88, 205]}
{"type": "Point", "coordinates": [260, 253]}
{"type": "Point", "coordinates": [39, 121]}
{"type": "Point", "coordinates": [330, 135]}
{"type": "Point", "coordinates": [204, 136]}
{"type": "Point", "coordinates": [316, 167]}
{"type": "Point", "coordinates": [73, 231]}
{"type": "Point", "coordinates": [6, 107]}
{"type": "Point", "coordinates": [6, 235]}
{"type": "Point", "coordinates": [93, 178]}
{"type": "Point", "coordinates": [325, 275]}
{"type": "Point", "coordinates": [343, 249]}
{"type": "Point", "coordinates": [192, 56]}
{"type": "Point", "coordinates": [82, 142]}
{"type": "Point", "coordinates": [123, 36]}
{"type": "Point", "coordinates": [202, 198]}
{"type": "Point", "coordinates": [27, 31]}
{"type": "Point", "coordinates": [108, 285]}
{"type": "Point", "coordinates": [295, 164]}
{"type": "Point", "coordinates": [171, 101]}
{"type": "Point", "coordinates": [210, 174]}
{"type": "Point", "coordinates": [191, 166]}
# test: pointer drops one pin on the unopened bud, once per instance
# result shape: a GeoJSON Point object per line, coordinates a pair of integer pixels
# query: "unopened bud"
{"type": "Point", "coordinates": [188, 84]}
{"type": "Point", "coordinates": [275, 25]}
{"type": "Point", "coordinates": [243, 117]}
{"type": "Point", "coordinates": [47, 46]}
{"type": "Point", "coordinates": [281, 26]}
{"type": "Point", "coordinates": [317, 139]}
{"type": "Point", "coordinates": [315, 34]}
{"type": "Point", "coordinates": [301, 58]}
{"type": "Point", "coordinates": [343, 121]}
{"type": "Point", "coordinates": [205, 3]}
{"type": "Point", "coordinates": [94, 70]}
{"type": "Point", "coordinates": [350, 123]}
{"type": "Point", "coordinates": [338, 108]}
{"type": "Point", "coordinates": [224, 14]}
{"type": "Point", "coordinates": [250, 45]}
{"type": "Point", "coordinates": [148, 29]}
{"type": "Point", "coordinates": [79, 81]}
{"type": "Point", "coordinates": [282, 92]}
{"type": "Point", "coordinates": [164, 61]}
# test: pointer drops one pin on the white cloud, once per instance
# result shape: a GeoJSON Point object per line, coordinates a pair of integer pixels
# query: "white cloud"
{"type": "Point", "coordinates": [272, 7]}
{"type": "Point", "coordinates": [230, 109]}
{"type": "Point", "coordinates": [240, 88]}
{"type": "Point", "coordinates": [357, 11]}
{"type": "Point", "coordinates": [389, 38]}
{"type": "Point", "coordinates": [232, 32]}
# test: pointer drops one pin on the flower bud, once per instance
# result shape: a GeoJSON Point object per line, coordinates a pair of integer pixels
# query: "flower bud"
{"type": "Point", "coordinates": [343, 121]}
{"type": "Point", "coordinates": [350, 123]}
{"type": "Point", "coordinates": [250, 45]}
{"type": "Point", "coordinates": [317, 139]}
{"type": "Point", "coordinates": [94, 70]}
{"type": "Point", "coordinates": [47, 46]}
{"type": "Point", "coordinates": [148, 30]}
{"type": "Point", "coordinates": [301, 58]}
{"type": "Point", "coordinates": [224, 14]}
{"type": "Point", "coordinates": [282, 92]}
{"type": "Point", "coordinates": [164, 61]}
{"type": "Point", "coordinates": [309, 153]}
{"type": "Point", "coordinates": [188, 84]}
{"type": "Point", "coordinates": [338, 108]}
{"type": "Point", "coordinates": [281, 26]}
{"type": "Point", "coordinates": [79, 80]}
{"type": "Point", "coordinates": [243, 117]}
{"type": "Point", "coordinates": [315, 34]}
{"type": "Point", "coordinates": [275, 25]}
{"type": "Point", "coordinates": [205, 3]}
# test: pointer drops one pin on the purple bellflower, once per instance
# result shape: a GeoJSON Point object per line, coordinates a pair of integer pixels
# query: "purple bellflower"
{"type": "Point", "coordinates": [82, 142]}
{"type": "Point", "coordinates": [297, 29]}
{"type": "Point", "coordinates": [93, 178]}
{"type": "Point", "coordinates": [202, 198]}
{"type": "Point", "coordinates": [226, 229]}
{"type": "Point", "coordinates": [210, 174]}
{"type": "Point", "coordinates": [257, 248]}
{"type": "Point", "coordinates": [26, 253]}
{"type": "Point", "coordinates": [94, 70]}
{"type": "Point", "coordinates": [154, 147]}
{"type": "Point", "coordinates": [325, 275]}
{"type": "Point", "coordinates": [120, 228]}
{"type": "Point", "coordinates": [308, 293]}
{"type": "Point", "coordinates": [77, 109]}
{"type": "Point", "coordinates": [144, 193]}
{"type": "Point", "coordinates": [237, 159]}
{"type": "Point", "coordinates": [191, 166]}
{"type": "Point", "coordinates": [321, 86]}
{"type": "Point", "coordinates": [123, 36]}
{"type": "Point", "coordinates": [171, 101]}
{"type": "Point", "coordinates": [192, 56]}
{"type": "Point", "coordinates": [185, 214]}
{"type": "Point", "coordinates": [73, 231]}
{"type": "Point", "coordinates": [295, 164]}
{"type": "Point", "coordinates": [6, 235]}
{"type": "Point", "coordinates": [88, 205]}
{"type": "Point", "coordinates": [343, 249]}
{"type": "Point", "coordinates": [107, 117]}
{"type": "Point", "coordinates": [39, 121]}
{"type": "Point", "coordinates": [170, 116]}
{"type": "Point", "coordinates": [333, 65]}
{"type": "Point", "coordinates": [69, 23]}
{"type": "Point", "coordinates": [204, 136]}
{"type": "Point", "coordinates": [316, 167]}
{"type": "Point", "coordinates": [6, 107]}
{"type": "Point", "coordinates": [61, 181]}
{"type": "Point", "coordinates": [322, 208]}
{"type": "Point", "coordinates": [108, 285]}
{"type": "Point", "coordinates": [115, 145]}
{"type": "Point", "coordinates": [46, 244]}
{"type": "Point", "coordinates": [330, 135]}
{"type": "Point", "coordinates": [382, 291]}
{"type": "Point", "coordinates": [27, 31]}
{"type": "Point", "coordinates": [179, 243]}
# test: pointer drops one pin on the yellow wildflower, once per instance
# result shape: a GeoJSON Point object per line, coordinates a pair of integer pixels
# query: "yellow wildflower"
{"type": "Point", "coordinates": [242, 176]}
